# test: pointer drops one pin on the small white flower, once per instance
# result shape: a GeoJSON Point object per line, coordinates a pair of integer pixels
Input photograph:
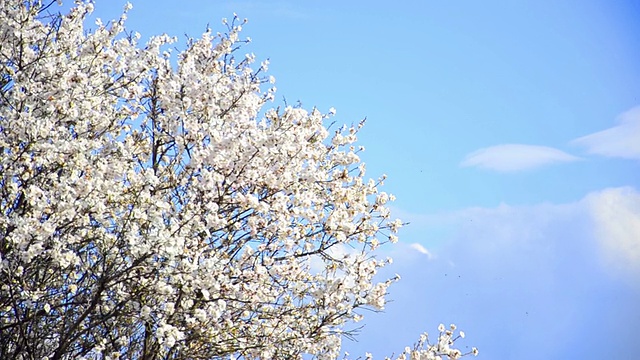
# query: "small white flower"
{"type": "Point", "coordinates": [201, 315]}
{"type": "Point", "coordinates": [145, 311]}
{"type": "Point", "coordinates": [205, 294]}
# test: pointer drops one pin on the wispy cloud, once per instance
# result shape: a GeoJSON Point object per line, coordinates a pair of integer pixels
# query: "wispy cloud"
{"type": "Point", "coordinates": [609, 217]}
{"type": "Point", "coordinates": [515, 157]}
{"type": "Point", "coordinates": [616, 216]}
{"type": "Point", "coordinates": [421, 249]}
{"type": "Point", "coordinates": [527, 275]}
{"type": "Point", "coordinates": [622, 140]}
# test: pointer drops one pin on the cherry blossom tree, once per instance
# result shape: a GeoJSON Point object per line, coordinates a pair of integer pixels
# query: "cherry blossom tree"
{"type": "Point", "coordinates": [153, 207]}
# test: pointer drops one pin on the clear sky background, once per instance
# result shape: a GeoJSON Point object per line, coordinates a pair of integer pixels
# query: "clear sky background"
{"type": "Point", "coordinates": [510, 132]}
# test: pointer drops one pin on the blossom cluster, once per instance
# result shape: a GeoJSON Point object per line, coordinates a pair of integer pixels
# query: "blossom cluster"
{"type": "Point", "coordinates": [441, 349]}
{"type": "Point", "coordinates": [151, 206]}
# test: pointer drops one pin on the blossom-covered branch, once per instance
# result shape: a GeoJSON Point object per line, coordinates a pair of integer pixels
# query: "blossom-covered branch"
{"type": "Point", "coordinates": [152, 207]}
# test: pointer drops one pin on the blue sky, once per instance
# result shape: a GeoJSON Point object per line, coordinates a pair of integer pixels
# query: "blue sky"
{"type": "Point", "coordinates": [511, 137]}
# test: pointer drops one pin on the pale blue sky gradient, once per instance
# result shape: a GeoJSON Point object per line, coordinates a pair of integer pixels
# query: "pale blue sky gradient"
{"type": "Point", "coordinates": [496, 123]}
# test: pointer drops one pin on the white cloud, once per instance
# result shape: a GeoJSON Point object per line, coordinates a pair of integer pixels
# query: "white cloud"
{"type": "Point", "coordinates": [622, 140]}
{"type": "Point", "coordinates": [515, 157]}
{"type": "Point", "coordinates": [421, 249]}
{"type": "Point", "coordinates": [616, 216]}
{"type": "Point", "coordinates": [605, 223]}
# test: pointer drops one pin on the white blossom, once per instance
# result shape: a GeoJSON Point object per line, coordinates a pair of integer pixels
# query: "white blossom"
{"type": "Point", "coordinates": [151, 203]}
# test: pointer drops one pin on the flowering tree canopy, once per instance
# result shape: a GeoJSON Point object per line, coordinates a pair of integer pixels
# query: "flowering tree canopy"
{"type": "Point", "coordinates": [151, 207]}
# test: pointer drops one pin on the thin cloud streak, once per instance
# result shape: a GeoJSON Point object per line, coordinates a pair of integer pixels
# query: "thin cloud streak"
{"type": "Point", "coordinates": [515, 157]}
{"type": "Point", "coordinates": [622, 140]}
{"type": "Point", "coordinates": [421, 249]}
